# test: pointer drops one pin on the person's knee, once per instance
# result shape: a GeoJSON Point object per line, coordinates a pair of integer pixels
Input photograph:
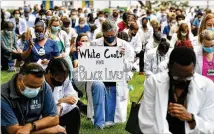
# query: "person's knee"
{"type": "Point", "coordinates": [98, 86]}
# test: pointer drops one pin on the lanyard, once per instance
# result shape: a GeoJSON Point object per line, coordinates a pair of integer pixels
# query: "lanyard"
{"type": "Point", "coordinates": [158, 59]}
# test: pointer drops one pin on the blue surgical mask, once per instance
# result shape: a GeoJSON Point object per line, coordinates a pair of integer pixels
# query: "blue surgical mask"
{"type": "Point", "coordinates": [48, 17]}
{"type": "Point", "coordinates": [210, 28]}
{"type": "Point", "coordinates": [54, 29]}
{"type": "Point", "coordinates": [39, 36]}
{"type": "Point", "coordinates": [208, 49]}
{"type": "Point", "coordinates": [110, 39]}
{"type": "Point", "coordinates": [30, 92]}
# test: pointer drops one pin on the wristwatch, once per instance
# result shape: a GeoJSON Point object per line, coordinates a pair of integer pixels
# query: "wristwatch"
{"type": "Point", "coordinates": [193, 119]}
{"type": "Point", "coordinates": [33, 126]}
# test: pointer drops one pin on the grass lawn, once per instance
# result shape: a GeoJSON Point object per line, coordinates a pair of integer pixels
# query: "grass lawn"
{"type": "Point", "coordinates": [86, 125]}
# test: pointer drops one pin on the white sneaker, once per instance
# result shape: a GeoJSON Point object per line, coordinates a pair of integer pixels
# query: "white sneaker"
{"type": "Point", "coordinates": [109, 124]}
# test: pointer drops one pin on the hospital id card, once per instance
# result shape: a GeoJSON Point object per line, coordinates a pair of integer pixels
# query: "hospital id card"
{"type": "Point", "coordinates": [210, 72]}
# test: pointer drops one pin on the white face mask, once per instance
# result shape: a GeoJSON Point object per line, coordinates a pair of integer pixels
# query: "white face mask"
{"type": "Point", "coordinates": [183, 34]}
{"type": "Point", "coordinates": [86, 44]}
{"type": "Point", "coordinates": [17, 15]}
{"type": "Point", "coordinates": [74, 17]}
{"type": "Point", "coordinates": [82, 25]}
{"type": "Point", "coordinates": [102, 18]}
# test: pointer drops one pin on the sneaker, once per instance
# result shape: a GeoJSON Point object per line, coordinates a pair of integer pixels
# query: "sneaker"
{"type": "Point", "coordinates": [109, 124]}
{"type": "Point", "coordinates": [99, 127]}
{"type": "Point", "coordinates": [12, 69]}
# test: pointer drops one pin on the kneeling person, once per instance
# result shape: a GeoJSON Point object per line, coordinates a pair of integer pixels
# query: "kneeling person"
{"type": "Point", "coordinates": [64, 94]}
{"type": "Point", "coordinates": [24, 100]}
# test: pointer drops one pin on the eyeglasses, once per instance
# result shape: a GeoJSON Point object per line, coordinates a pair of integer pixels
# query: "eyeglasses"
{"type": "Point", "coordinates": [185, 79]}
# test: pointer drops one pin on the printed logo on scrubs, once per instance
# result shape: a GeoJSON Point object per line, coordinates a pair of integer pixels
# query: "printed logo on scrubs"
{"type": "Point", "coordinates": [35, 104]}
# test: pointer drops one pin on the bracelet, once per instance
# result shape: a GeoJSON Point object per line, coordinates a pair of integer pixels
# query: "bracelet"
{"type": "Point", "coordinates": [33, 126]}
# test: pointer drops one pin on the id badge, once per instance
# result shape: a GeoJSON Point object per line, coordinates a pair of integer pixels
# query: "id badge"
{"type": "Point", "coordinates": [210, 72]}
{"type": "Point", "coordinates": [41, 52]}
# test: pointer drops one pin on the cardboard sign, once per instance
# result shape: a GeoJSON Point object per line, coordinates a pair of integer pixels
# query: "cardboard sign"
{"type": "Point", "coordinates": [100, 64]}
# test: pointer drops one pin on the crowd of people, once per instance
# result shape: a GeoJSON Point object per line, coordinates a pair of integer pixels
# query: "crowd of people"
{"type": "Point", "coordinates": [172, 47]}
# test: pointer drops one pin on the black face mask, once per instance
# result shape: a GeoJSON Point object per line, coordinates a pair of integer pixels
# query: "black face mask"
{"type": "Point", "coordinates": [133, 34]}
{"type": "Point", "coordinates": [144, 26]}
{"type": "Point", "coordinates": [115, 15]}
{"type": "Point", "coordinates": [56, 83]}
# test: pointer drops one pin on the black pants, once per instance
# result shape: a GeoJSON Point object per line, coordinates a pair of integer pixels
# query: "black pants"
{"type": "Point", "coordinates": [141, 60]}
{"type": "Point", "coordinates": [72, 121]}
{"type": "Point", "coordinates": [4, 63]}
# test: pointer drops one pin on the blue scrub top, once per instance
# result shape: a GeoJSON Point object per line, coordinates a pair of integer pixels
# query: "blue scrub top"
{"type": "Point", "coordinates": [51, 50]}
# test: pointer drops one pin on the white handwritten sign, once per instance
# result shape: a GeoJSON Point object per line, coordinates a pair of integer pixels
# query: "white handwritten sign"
{"type": "Point", "coordinates": [100, 64]}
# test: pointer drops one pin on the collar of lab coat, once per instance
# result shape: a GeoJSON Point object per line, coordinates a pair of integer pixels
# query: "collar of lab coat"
{"type": "Point", "coordinates": [193, 97]}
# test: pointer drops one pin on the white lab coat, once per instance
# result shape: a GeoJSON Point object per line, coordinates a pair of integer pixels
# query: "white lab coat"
{"type": "Point", "coordinates": [152, 61]}
{"type": "Point", "coordinates": [31, 20]}
{"type": "Point", "coordinates": [135, 42]}
{"type": "Point", "coordinates": [72, 33]}
{"type": "Point", "coordinates": [22, 25]}
{"type": "Point", "coordinates": [63, 91]}
{"type": "Point", "coordinates": [200, 102]}
{"type": "Point", "coordinates": [121, 87]}
{"type": "Point", "coordinates": [146, 36]}
{"type": "Point", "coordinates": [199, 59]}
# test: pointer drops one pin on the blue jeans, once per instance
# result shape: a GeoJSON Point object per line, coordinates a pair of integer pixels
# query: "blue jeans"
{"type": "Point", "coordinates": [104, 102]}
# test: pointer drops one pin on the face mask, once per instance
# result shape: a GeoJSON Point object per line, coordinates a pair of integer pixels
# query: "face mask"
{"type": "Point", "coordinates": [65, 29]}
{"type": "Point", "coordinates": [17, 15]}
{"type": "Point", "coordinates": [26, 14]}
{"type": "Point", "coordinates": [61, 11]}
{"type": "Point", "coordinates": [43, 17]}
{"type": "Point", "coordinates": [56, 83]}
{"type": "Point", "coordinates": [86, 14]}
{"type": "Point", "coordinates": [48, 17]}
{"type": "Point", "coordinates": [9, 33]}
{"type": "Point", "coordinates": [102, 18]}
{"type": "Point", "coordinates": [133, 34]}
{"type": "Point", "coordinates": [82, 25]}
{"type": "Point", "coordinates": [86, 44]}
{"type": "Point", "coordinates": [73, 17]}
{"type": "Point", "coordinates": [210, 28]}
{"type": "Point", "coordinates": [39, 36]}
{"type": "Point", "coordinates": [31, 92]}
{"type": "Point", "coordinates": [183, 34]}
{"type": "Point", "coordinates": [54, 29]}
{"type": "Point", "coordinates": [208, 49]}
{"type": "Point", "coordinates": [110, 39]}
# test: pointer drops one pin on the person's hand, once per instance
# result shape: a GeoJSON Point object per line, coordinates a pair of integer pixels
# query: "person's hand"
{"type": "Point", "coordinates": [78, 49]}
{"type": "Point", "coordinates": [25, 129]}
{"type": "Point", "coordinates": [122, 50]}
{"type": "Point", "coordinates": [63, 55]}
{"type": "Point", "coordinates": [45, 62]}
{"type": "Point", "coordinates": [31, 43]}
{"type": "Point", "coordinates": [179, 111]}
{"type": "Point", "coordinates": [60, 129]}
{"type": "Point", "coordinates": [14, 51]}
{"type": "Point", "coordinates": [69, 99]}
{"type": "Point", "coordinates": [59, 109]}
{"type": "Point", "coordinates": [19, 50]}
